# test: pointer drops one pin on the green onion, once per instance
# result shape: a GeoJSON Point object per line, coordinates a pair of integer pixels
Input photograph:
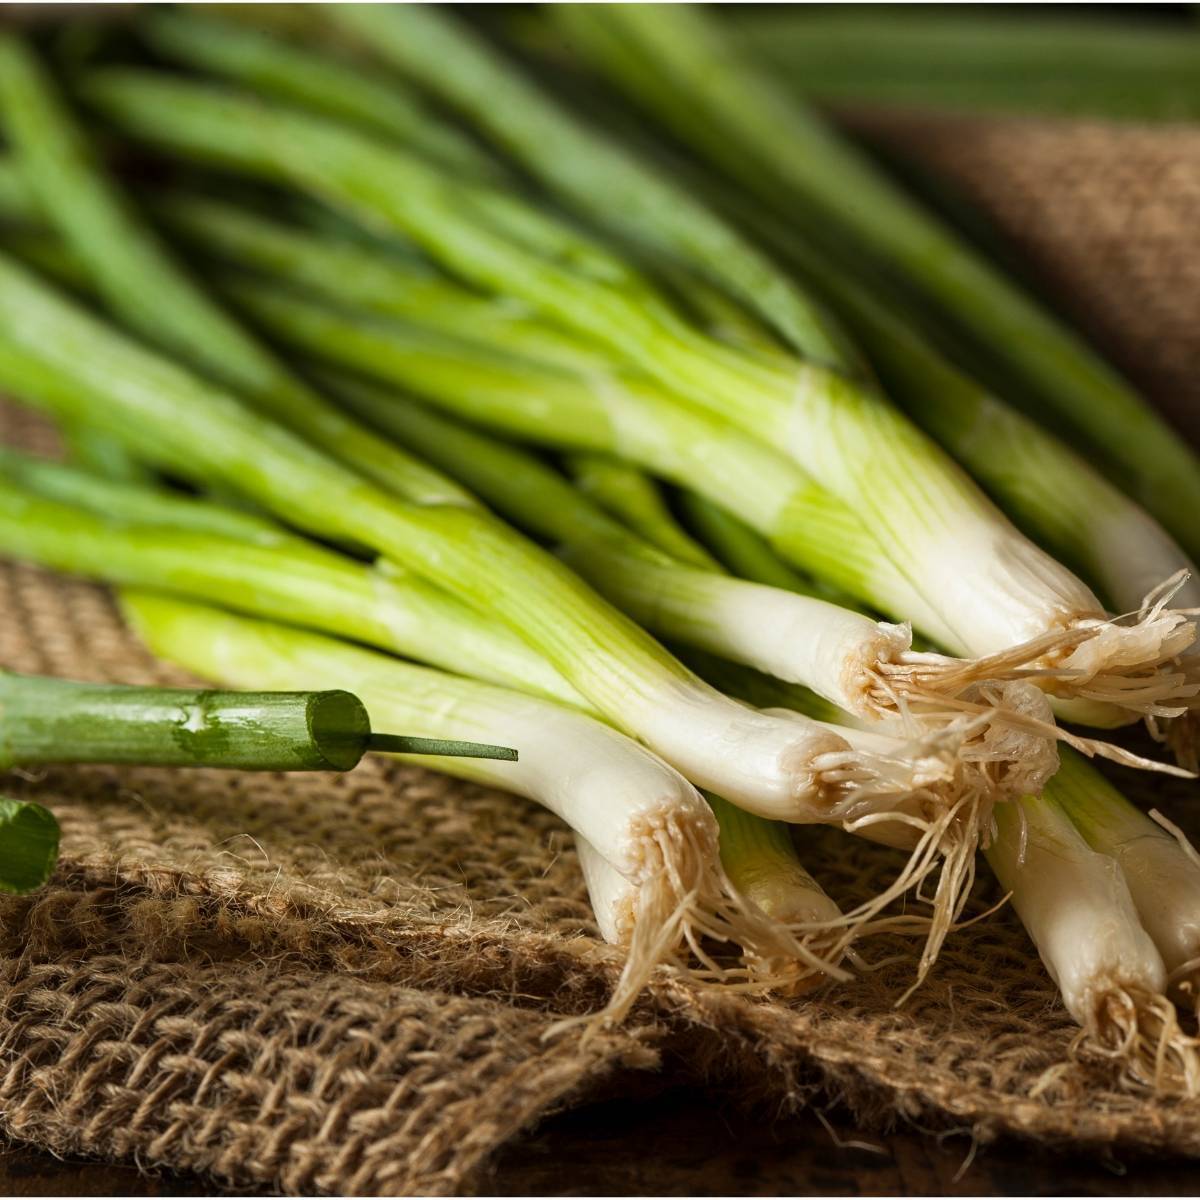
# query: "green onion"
{"type": "Point", "coordinates": [588, 169]}
{"type": "Point", "coordinates": [979, 62]}
{"type": "Point", "coordinates": [993, 592]}
{"type": "Point", "coordinates": [645, 820]}
{"type": "Point", "coordinates": [742, 550]}
{"type": "Point", "coordinates": [762, 864]}
{"type": "Point", "coordinates": [1052, 492]}
{"type": "Point", "coordinates": [60, 721]}
{"type": "Point", "coordinates": [137, 276]}
{"type": "Point", "coordinates": [196, 549]}
{"type": "Point", "coordinates": [29, 839]}
{"type": "Point", "coordinates": [99, 455]}
{"type": "Point", "coordinates": [612, 414]}
{"type": "Point", "coordinates": [633, 499]}
{"type": "Point", "coordinates": [135, 500]}
{"type": "Point", "coordinates": [348, 273]}
{"type": "Point", "coordinates": [634, 420]}
{"type": "Point", "coordinates": [67, 361]}
{"type": "Point", "coordinates": [679, 66]}
{"type": "Point", "coordinates": [855, 662]}
{"type": "Point", "coordinates": [1077, 907]}
{"type": "Point", "coordinates": [1160, 867]}
{"type": "Point", "coordinates": [409, 618]}
{"type": "Point", "coordinates": [16, 201]}
{"type": "Point", "coordinates": [348, 90]}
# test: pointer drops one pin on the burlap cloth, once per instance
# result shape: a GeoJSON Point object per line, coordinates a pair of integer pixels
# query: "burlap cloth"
{"type": "Point", "coordinates": [341, 985]}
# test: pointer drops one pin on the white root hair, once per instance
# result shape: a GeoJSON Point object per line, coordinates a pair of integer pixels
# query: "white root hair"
{"type": "Point", "coordinates": [1131, 661]}
{"type": "Point", "coordinates": [685, 905]}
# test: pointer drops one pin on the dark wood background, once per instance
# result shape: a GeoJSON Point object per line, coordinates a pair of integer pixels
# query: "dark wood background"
{"type": "Point", "coordinates": [680, 1144]}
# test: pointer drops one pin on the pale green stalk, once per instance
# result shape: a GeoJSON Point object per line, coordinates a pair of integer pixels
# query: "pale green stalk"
{"type": "Point", "coordinates": [759, 626]}
{"type": "Point", "coordinates": [636, 501]}
{"type": "Point", "coordinates": [197, 550]}
{"type": "Point", "coordinates": [841, 655]}
{"type": "Point", "coordinates": [100, 455]}
{"type": "Point", "coordinates": [16, 200]}
{"type": "Point", "coordinates": [133, 500]}
{"type": "Point", "coordinates": [696, 80]}
{"type": "Point", "coordinates": [137, 276]}
{"type": "Point", "coordinates": [1048, 488]}
{"type": "Point", "coordinates": [1128, 70]}
{"type": "Point", "coordinates": [346, 272]}
{"type": "Point", "coordinates": [763, 865]}
{"type": "Point", "coordinates": [743, 551]}
{"type": "Point", "coordinates": [66, 360]}
{"type": "Point", "coordinates": [624, 417]}
{"type": "Point", "coordinates": [946, 44]}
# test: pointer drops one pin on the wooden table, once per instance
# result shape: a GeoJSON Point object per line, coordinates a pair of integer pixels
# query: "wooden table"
{"type": "Point", "coordinates": [677, 1144]}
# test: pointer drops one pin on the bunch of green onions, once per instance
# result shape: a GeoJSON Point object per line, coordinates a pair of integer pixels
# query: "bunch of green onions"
{"type": "Point", "coordinates": [456, 263]}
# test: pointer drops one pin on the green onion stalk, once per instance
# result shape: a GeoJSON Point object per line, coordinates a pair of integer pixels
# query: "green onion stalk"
{"type": "Point", "coordinates": [344, 271]}
{"type": "Point", "coordinates": [282, 67]}
{"type": "Point", "coordinates": [759, 613]}
{"type": "Point", "coordinates": [636, 421]}
{"type": "Point", "coordinates": [1060, 500]}
{"type": "Point", "coordinates": [634, 499]}
{"type": "Point", "coordinates": [1049, 489]}
{"type": "Point", "coordinates": [197, 549]}
{"type": "Point", "coordinates": [49, 720]}
{"type": "Point", "coordinates": [325, 590]}
{"type": "Point", "coordinates": [1100, 68]}
{"type": "Point", "coordinates": [168, 545]}
{"type": "Point", "coordinates": [643, 818]}
{"type": "Point", "coordinates": [860, 665]}
{"type": "Point", "coordinates": [138, 536]}
{"type": "Point", "coordinates": [761, 864]}
{"type": "Point", "coordinates": [940, 821]}
{"type": "Point", "coordinates": [138, 277]}
{"type": "Point", "coordinates": [743, 551]}
{"type": "Point", "coordinates": [585, 165]}
{"type": "Point", "coordinates": [696, 80]}
{"type": "Point", "coordinates": [72, 363]}
{"type": "Point", "coordinates": [1076, 903]}
{"type": "Point", "coordinates": [773, 768]}
{"type": "Point", "coordinates": [101, 454]}
{"type": "Point", "coordinates": [995, 591]}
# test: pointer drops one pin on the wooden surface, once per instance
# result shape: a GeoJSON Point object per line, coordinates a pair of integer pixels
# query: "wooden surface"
{"type": "Point", "coordinates": [679, 1144]}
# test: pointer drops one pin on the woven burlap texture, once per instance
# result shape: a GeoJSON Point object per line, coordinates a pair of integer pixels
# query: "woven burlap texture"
{"type": "Point", "coordinates": [342, 984]}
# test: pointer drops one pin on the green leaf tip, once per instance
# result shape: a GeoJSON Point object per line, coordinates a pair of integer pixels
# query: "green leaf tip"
{"type": "Point", "coordinates": [28, 845]}
{"type": "Point", "coordinates": [391, 743]}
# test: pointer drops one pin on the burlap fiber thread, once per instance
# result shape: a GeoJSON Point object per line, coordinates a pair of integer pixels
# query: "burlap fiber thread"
{"type": "Point", "coordinates": [341, 985]}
